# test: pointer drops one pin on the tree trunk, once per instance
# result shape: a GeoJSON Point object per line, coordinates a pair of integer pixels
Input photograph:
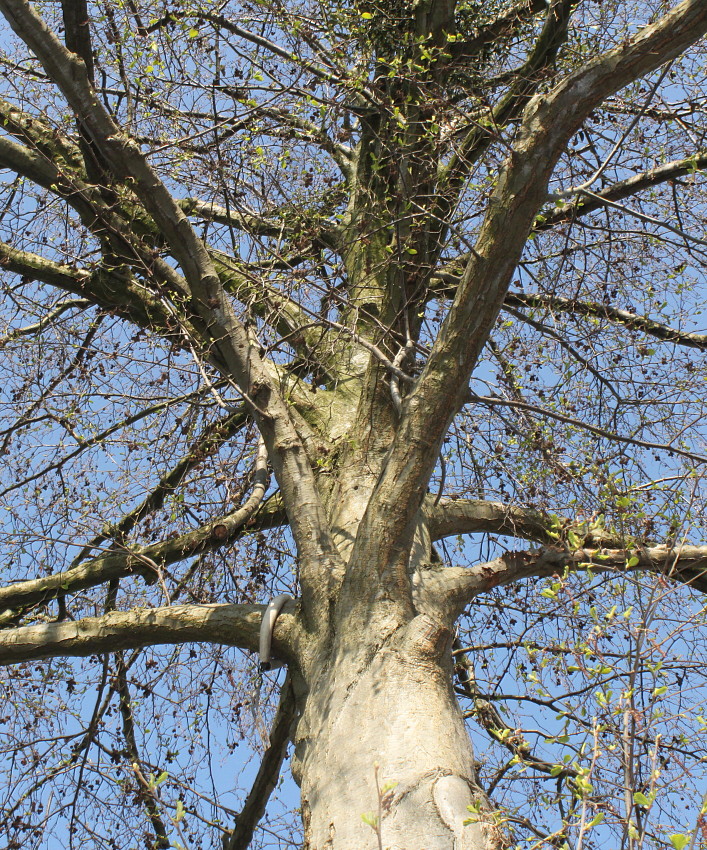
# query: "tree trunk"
{"type": "Point", "coordinates": [383, 713]}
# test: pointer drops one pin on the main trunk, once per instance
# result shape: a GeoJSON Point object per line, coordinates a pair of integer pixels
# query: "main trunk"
{"type": "Point", "coordinates": [383, 712]}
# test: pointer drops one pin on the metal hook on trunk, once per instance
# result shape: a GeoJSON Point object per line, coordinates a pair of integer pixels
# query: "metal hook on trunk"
{"type": "Point", "coordinates": [267, 625]}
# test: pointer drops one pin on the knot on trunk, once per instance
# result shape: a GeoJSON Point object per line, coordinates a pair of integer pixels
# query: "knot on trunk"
{"type": "Point", "coordinates": [427, 638]}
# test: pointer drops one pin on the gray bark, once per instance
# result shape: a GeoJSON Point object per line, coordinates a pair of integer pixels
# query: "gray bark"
{"type": "Point", "coordinates": [385, 713]}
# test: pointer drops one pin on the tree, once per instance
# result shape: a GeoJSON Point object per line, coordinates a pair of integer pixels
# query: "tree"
{"type": "Point", "coordinates": [437, 267]}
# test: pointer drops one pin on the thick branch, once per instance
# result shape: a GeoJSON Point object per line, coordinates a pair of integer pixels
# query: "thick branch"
{"type": "Point", "coordinates": [470, 516]}
{"type": "Point", "coordinates": [113, 289]}
{"type": "Point", "coordinates": [230, 625]}
{"type": "Point", "coordinates": [248, 221]}
{"type": "Point", "coordinates": [687, 564]}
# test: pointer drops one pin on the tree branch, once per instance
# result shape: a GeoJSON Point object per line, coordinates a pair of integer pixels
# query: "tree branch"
{"type": "Point", "coordinates": [268, 772]}
{"type": "Point", "coordinates": [113, 289]}
{"type": "Point", "coordinates": [136, 560]}
{"type": "Point", "coordinates": [206, 443]}
{"type": "Point", "coordinates": [231, 345]}
{"type": "Point", "coordinates": [502, 26]}
{"type": "Point", "coordinates": [686, 564]}
{"type": "Point", "coordinates": [146, 792]}
{"type": "Point", "coordinates": [489, 718]}
{"type": "Point", "coordinates": [229, 625]}
{"type": "Point", "coordinates": [471, 516]}
{"type": "Point", "coordinates": [602, 311]}
{"type": "Point", "coordinates": [37, 328]}
{"type": "Point", "coordinates": [593, 429]}
{"type": "Point", "coordinates": [622, 189]}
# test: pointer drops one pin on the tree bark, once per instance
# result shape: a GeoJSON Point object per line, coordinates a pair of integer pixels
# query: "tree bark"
{"type": "Point", "coordinates": [383, 738]}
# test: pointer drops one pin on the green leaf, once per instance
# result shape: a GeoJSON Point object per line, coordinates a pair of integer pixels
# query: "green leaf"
{"type": "Point", "coordinates": [366, 16]}
{"type": "Point", "coordinates": [641, 799]}
{"type": "Point", "coordinates": [370, 819]}
{"type": "Point", "coordinates": [679, 840]}
{"type": "Point", "coordinates": [193, 33]}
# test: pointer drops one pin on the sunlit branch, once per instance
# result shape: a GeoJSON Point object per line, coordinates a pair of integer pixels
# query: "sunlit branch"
{"type": "Point", "coordinates": [230, 343]}
{"type": "Point", "coordinates": [525, 83]}
{"type": "Point", "coordinates": [586, 185]}
{"type": "Point", "coordinates": [39, 135]}
{"type": "Point", "coordinates": [471, 516]}
{"type": "Point", "coordinates": [686, 564]}
{"type": "Point", "coordinates": [565, 344]}
{"type": "Point", "coordinates": [309, 131]}
{"type": "Point", "coordinates": [234, 217]}
{"type": "Point", "coordinates": [622, 189]}
{"type": "Point", "coordinates": [548, 121]}
{"type": "Point", "coordinates": [444, 283]}
{"type": "Point", "coordinates": [650, 219]}
{"type": "Point", "coordinates": [112, 288]}
{"type": "Point", "coordinates": [230, 625]}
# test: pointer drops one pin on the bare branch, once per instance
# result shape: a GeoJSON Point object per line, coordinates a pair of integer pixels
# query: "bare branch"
{"type": "Point", "coordinates": [113, 289]}
{"type": "Point", "coordinates": [603, 311]}
{"type": "Point", "coordinates": [253, 38]}
{"type": "Point", "coordinates": [686, 564]}
{"type": "Point", "coordinates": [146, 791]}
{"type": "Point", "coordinates": [489, 718]}
{"type": "Point", "coordinates": [37, 328]}
{"type": "Point", "coordinates": [136, 560]}
{"type": "Point", "coordinates": [229, 625]}
{"type": "Point", "coordinates": [593, 429]}
{"type": "Point", "coordinates": [268, 772]}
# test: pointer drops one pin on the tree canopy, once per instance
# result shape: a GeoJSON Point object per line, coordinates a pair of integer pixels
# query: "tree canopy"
{"type": "Point", "coordinates": [395, 307]}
